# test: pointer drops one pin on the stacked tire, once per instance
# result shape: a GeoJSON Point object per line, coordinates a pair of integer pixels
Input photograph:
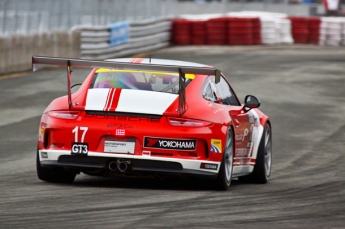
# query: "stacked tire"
{"type": "Point", "coordinates": [181, 32]}
{"type": "Point", "coordinates": [256, 31]}
{"type": "Point", "coordinates": [331, 31]}
{"type": "Point", "coordinates": [217, 31]}
{"type": "Point", "coordinates": [300, 30]}
{"type": "Point", "coordinates": [240, 31]}
{"type": "Point", "coordinates": [283, 31]}
{"type": "Point", "coordinates": [314, 30]}
{"type": "Point", "coordinates": [268, 31]}
{"type": "Point", "coordinates": [198, 32]}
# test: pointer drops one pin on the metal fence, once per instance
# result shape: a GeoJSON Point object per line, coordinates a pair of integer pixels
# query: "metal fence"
{"type": "Point", "coordinates": [27, 16]}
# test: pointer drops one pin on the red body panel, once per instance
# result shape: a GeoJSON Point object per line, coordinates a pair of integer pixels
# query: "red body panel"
{"type": "Point", "coordinates": [59, 135]}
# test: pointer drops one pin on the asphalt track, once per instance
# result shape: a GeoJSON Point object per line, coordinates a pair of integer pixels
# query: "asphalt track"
{"type": "Point", "coordinates": [302, 89]}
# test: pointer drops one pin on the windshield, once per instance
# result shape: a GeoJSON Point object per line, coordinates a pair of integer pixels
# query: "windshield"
{"type": "Point", "coordinates": [138, 80]}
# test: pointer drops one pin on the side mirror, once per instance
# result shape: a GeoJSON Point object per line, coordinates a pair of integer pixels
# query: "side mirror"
{"type": "Point", "coordinates": [250, 102]}
{"type": "Point", "coordinates": [75, 87]}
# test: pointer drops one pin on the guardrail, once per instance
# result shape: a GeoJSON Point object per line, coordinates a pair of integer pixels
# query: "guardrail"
{"type": "Point", "coordinates": [87, 42]}
{"type": "Point", "coordinates": [32, 16]}
{"type": "Point", "coordinates": [142, 35]}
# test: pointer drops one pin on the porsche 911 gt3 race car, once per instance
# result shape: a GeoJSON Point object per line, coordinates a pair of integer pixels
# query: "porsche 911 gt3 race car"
{"type": "Point", "coordinates": [138, 117]}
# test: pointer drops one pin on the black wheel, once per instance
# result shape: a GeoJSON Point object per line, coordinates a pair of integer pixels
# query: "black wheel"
{"type": "Point", "coordinates": [262, 168]}
{"type": "Point", "coordinates": [55, 175]}
{"type": "Point", "coordinates": [223, 179]}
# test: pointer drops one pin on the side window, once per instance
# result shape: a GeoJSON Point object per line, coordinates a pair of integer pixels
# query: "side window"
{"type": "Point", "coordinates": [208, 93]}
{"type": "Point", "coordinates": [225, 93]}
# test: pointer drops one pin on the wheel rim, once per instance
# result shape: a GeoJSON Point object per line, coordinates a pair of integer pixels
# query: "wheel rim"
{"type": "Point", "coordinates": [228, 157]}
{"type": "Point", "coordinates": [268, 150]}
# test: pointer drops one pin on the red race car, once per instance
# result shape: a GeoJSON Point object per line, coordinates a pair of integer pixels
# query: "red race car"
{"type": "Point", "coordinates": [140, 117]}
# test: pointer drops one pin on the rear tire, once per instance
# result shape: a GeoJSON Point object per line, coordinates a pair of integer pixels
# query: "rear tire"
{"type": "Point", "coordinates": [223, 179]}
{"type": "Point", "coordinates": [54, 175]}
{"type": "Point", "coordinates": [262, 168]}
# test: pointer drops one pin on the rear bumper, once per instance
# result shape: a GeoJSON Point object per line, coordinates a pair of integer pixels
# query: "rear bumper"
{"type": "Point", "coordinates": [144, 164]}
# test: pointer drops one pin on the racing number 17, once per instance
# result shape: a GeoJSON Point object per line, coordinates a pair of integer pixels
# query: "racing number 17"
{"type": "Point", "coordinates": [76, 130]}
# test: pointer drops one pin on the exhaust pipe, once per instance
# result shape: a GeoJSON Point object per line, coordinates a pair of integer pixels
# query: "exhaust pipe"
{"type": "Point", "coordinates": [113, 166]}
{"type": "Point", "coordinates": [122, 166]}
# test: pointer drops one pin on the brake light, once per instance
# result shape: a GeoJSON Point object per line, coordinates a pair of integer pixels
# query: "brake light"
{"type": "Point", "coordinates": [64, 114]}
{"type": "Point", "coordinates": [188, 122]}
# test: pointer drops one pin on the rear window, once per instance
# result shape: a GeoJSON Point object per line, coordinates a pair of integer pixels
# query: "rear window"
{"type": "Point", "coordinates": [138, 80]}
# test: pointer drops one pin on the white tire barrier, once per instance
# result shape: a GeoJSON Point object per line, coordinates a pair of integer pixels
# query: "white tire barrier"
{"type": "Point", "coordinates": [276, 28]}
{"type": "Point", "coordinates": [332, 31]}
{"type": "Point", "coordinates": [144, 36]}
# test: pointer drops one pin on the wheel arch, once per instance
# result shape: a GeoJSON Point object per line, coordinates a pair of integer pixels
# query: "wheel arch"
{"type": "Point", "coordinates": [263, 119]}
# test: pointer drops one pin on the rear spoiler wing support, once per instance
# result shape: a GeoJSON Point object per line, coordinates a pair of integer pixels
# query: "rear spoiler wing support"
{"type": "Point", "coordinates": [80, 63]}
{"type": "Point", "coordinates": [69, 80]}
{"type": "Point", "coordinates": [182, 106]}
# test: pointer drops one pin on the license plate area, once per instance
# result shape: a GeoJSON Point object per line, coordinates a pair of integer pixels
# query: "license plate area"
{"type": "Point", "coordinates": [119, 146]}
{"type": "Point", "coordinates": [79, 148]}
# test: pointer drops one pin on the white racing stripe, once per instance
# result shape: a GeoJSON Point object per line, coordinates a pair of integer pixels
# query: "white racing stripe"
{"type": "Point", "coordinates": [96, 99]}
{"type": "Point", "coordinates": [135, 101]}
{"type": "Point", "coordinates": [146, 102]}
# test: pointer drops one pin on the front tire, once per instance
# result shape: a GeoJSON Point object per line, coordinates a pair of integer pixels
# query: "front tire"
{"type": "Point", "coordinates": [223, 179]}
{"type": "Point", "coordinates": [54, 175]}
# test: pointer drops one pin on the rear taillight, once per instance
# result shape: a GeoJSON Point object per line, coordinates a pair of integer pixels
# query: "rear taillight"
{"type": "Point", "coordinates": [64, 114]}
{"type": "Point", "coordinates": [182, 122]}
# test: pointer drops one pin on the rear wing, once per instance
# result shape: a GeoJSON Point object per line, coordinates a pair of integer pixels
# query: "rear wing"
{"type": "Point", "coordinates": [80, 63]}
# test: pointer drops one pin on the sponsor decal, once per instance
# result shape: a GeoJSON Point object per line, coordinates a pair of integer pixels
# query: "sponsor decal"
{"type": "Point", "coordinates": [122, 118]}
{"type": "Point", "coordinates": [242, 152]}
{"type": "Point", "coordinates": [208, 166]}
{"type": "Point", "coordinates": [119, 33]}
{"type": "Point", "coordinates": [41, 134]}
{"type": "Point", "coordinates": [118, 125]}
{"type": "Point", "coordinates": [244, 162]}
{"type": "Point", "coordinates": [163, 143]}
{"type": "Point", "coordinates": [240, 137]}
{"type": "Point", "coordinates": [256, 122]}
{"type": "Point", "coordinates": [216, 146]}
{"type": "Point", "coordinates": [120, 132]}
{"type": "Point", "coordinates": [127, 146]}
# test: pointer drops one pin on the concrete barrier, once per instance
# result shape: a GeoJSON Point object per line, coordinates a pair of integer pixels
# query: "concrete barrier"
{"type": "Point", "coordinates": [16, 51]}
{"type": "Point", "coordinates": [4, 45]}
{"type": "Point", "coordinates": [5, 55]}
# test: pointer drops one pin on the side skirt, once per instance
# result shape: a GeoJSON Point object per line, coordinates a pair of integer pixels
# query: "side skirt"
{"type": "Point", "coordinates": [242, 170]}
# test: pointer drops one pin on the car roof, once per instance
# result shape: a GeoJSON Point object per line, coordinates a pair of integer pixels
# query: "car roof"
{"type": "Point", "coordinates": [158, 62]}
